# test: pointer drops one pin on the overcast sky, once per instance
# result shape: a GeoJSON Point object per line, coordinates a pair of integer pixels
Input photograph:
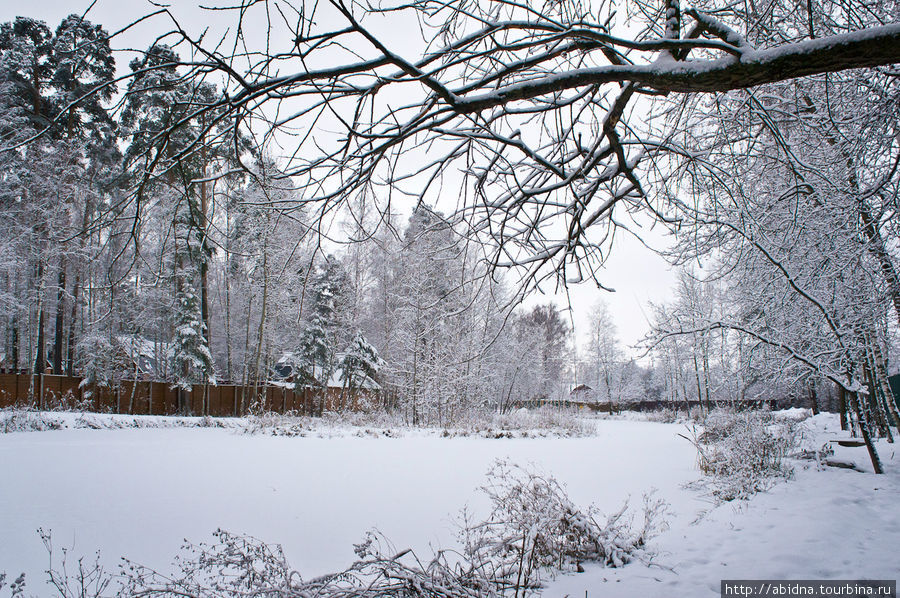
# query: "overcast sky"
{"type": "Point", "coordinates": [638, 275]}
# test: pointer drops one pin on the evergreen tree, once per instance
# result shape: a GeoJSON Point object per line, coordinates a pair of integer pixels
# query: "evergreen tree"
{"type": "Point", "coordinates": [173, 143]}
{"type": "Point", "coordinates": [83, 73]}
{"type": "Point", "coordinates": [192, 359]}
{"type": "Point", "coordinates": [27, 64]}
{"type": "Point", "coordinates": [324, 331]}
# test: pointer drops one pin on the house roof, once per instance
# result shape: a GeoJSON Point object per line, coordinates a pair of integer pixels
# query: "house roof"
{"type": "Point", "coordinates": [284, 369]}
{"type": "Point", "coordinates": [144, 352]}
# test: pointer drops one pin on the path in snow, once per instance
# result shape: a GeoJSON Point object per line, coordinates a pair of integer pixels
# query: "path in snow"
{"type": "Point", "coordinates": [831, 524]}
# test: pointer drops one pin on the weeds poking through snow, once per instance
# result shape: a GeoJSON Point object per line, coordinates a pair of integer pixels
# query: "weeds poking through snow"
{"type": "Point", "coordinates": [16, 587]}
{"type": "Point", "coordinates": [533, 528]}
{"type": "Point", "coordinates": [26, 420]}
{"type": "Point", "coordinates": [87, 579]}
{"type": "Point", "coordinates": [486, 424]}
{"type": "Point", "coordinates": [19, 419]}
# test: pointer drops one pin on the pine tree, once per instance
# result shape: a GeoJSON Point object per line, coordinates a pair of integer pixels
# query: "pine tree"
{"type": "Point", "coordinates": [83, 73]}
{"type": "Point", "coordinates": [27, 63]}
{"type": "Point", "coordinates": [170, 147]}
{"type": "Point", "coordinates": [192, 360]}
{"type": "Point", "coordinates": [324, 329]}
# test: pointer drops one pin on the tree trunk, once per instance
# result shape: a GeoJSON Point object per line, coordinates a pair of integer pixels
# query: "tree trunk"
{"type": "Point", "coordinates": [706, 371]}
{"type": "Point", "coordinates": [884, 425]}
{"type": "Point", "coordinates": [204, 263]}
{"type": "Point", "coordinates": [260, 337]}
{"type": "Point", "coordinates": [881, 378]}
{"type": "Point", "coordinates": [39, 356]}
{"type": "Point", "coordinates": [246, 373]}
{"type": "Point", "coordinates": [14, 342]}
{"type": "Point", "coordinates": [14, 332]}
{"type": "Point", "coordinates": [184, 406]}
{"type": "Point", "coordinates": [697, 375]}
{"type": "Point", "coordinates": [70, 349]}
{"type": "Point", "coordinates": [60, 311]}
{"type": "Point", "coordinates": [876, 247]}
{"type": "Point", "coordinates": [227, 284]}
{"type": "Point", "coordinates": [864, 431]}
{"type": "Point", "coordinates": [842, 409]}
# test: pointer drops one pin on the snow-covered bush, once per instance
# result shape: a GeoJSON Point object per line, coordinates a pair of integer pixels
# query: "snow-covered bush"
{"type": "Point", "coordinates": [69, 403]}
{"type": "Point", "coordinates": [534, 527]}
{"type": "Point", "coordinates": [98, 360]}
{"type": "Point", "coordinates": [237, 566]}
{"type": "Point", "coordinates": [17, 419]}
{"type": "Point", "coordinates": [485, 423]}
{"type": "Point", "coordinates": [742, 452]}
{"type": "Point", "coordinates": [666, 415]}
{"type": "Point", "coordinates": [563, 422]}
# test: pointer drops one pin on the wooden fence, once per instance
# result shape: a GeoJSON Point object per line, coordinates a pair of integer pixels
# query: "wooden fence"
{"type": "Point", "coordinates": [604, 407]}
{"type": "Point", "coordinates": [144, 397]}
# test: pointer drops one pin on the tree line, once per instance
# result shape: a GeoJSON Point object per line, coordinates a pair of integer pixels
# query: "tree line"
{"type": "Point", "coordinates": [768, 150]}
{"type": "Point", "coordinates": [133, 248]}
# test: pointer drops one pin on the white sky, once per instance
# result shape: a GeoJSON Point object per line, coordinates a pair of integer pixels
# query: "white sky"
{"type": "Point", "coordinates": [638, 275]}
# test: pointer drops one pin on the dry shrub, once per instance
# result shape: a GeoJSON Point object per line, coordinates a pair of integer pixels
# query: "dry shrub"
{"type": "Point", "coordinates": [482, 423]}
{"type": "Point", "coordinates": [743, 452]}
{"type": "Point", "coordinates": [534, 526]}
{"type": "Point", "coordinates": [17, 419]}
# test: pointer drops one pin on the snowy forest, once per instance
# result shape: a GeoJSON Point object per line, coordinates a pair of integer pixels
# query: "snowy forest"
{"type": "Point", "coordinates": [150, 231]}
{"type": "Point", "coordinates": [198, 276]}
{"type": "Point", "coordinates": [397, 208]}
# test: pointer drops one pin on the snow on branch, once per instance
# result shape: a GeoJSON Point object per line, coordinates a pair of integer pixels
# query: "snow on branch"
{"type": "Point", "coordinates": [526, 114]}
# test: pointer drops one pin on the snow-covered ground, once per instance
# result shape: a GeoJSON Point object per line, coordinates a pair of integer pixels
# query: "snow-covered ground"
{"type": "Point", "coordinates": [829, 524]}
{"type": "Point", "coordinates": [139, 492]}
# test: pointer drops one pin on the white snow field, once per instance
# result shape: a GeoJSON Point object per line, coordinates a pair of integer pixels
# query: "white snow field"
{"type": "Point", "coordinates": [139, 492]}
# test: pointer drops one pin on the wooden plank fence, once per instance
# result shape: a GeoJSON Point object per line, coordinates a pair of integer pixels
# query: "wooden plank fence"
{"type": "Point", "coordinates": [145, 397]}
{"type": "Point", "coordinates": [604, 407]}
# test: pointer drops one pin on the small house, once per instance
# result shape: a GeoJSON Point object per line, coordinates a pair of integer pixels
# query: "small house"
{"type": "Point", "coordinates": [583, 394]}
{"type": "Point", "coordinates": [332, 391]}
